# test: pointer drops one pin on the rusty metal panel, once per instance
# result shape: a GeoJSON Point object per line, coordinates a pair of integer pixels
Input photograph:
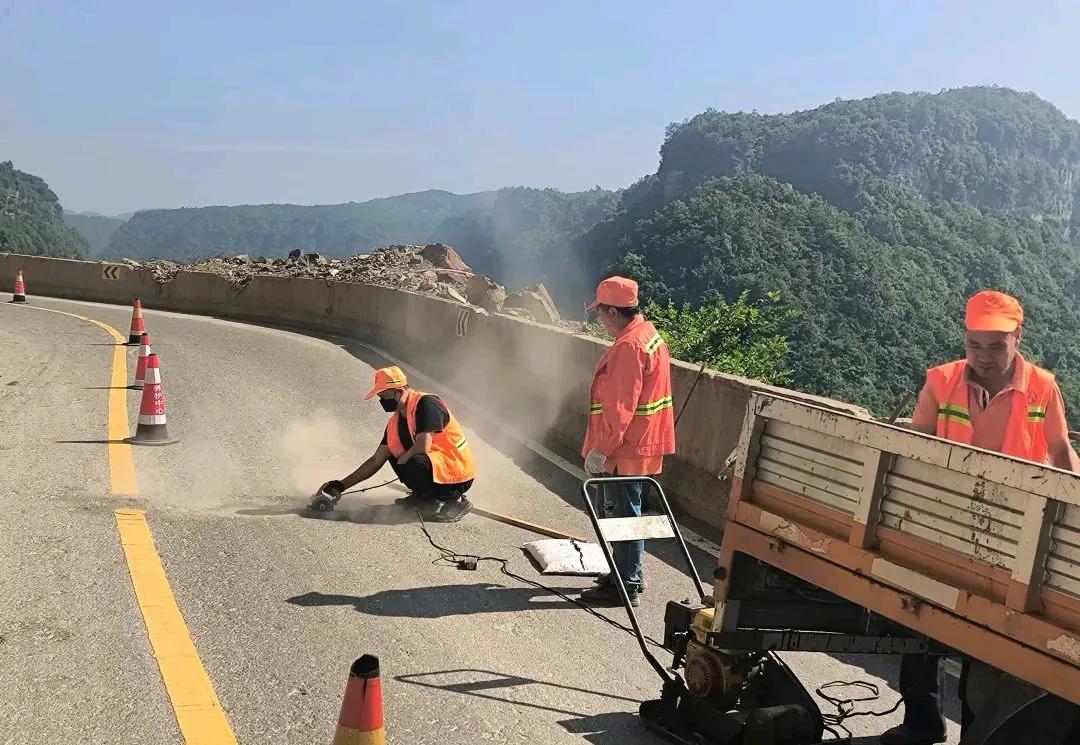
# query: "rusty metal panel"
{"type": "Point", "coordinates": [1063, 561]}
{"type": "Point", "coordinates": [948, 509]}
{"type": "Point", "coordinates": [809, 464]}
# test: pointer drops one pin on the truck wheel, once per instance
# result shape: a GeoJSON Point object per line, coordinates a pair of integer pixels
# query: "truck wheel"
{"type": "Point", "coordinates": [1047, 721]}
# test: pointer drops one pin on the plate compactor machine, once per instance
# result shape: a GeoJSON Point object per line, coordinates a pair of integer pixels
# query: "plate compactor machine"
{"type": "Point", "coordinates": [730, 687]}
{"type": "Point", "coordinates": [709, 695]}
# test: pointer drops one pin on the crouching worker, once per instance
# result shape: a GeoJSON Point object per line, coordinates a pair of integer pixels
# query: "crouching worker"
{"type": "Point", "coordinates": [425, 446]}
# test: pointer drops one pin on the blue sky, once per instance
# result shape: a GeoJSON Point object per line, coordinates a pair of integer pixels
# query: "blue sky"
{"type": "Point", "coordinates": [129, 105]}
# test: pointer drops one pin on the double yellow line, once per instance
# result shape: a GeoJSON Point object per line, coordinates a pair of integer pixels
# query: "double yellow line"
{"type": "Point", "coordinates": [198, 711]}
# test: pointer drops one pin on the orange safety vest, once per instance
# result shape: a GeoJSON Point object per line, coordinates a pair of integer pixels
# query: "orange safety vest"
{"type": "Point", "coordinates": [649, 422]}
{"type": "Point", "coordinates": [1025, 436]}
{"type": "Point", "coordinates": [451, 456]}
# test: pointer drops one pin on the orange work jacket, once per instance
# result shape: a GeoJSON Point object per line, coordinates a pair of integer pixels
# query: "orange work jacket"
{"type": "Point", "coordinates": [631, 408]}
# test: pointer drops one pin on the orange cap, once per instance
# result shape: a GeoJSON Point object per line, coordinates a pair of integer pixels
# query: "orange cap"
{"type": "Point", "coordinates": [993, 311]}
{"type": "Point", "coordinates": [387, 379]}
{"type": "Point", "coordinates": [618, 292]}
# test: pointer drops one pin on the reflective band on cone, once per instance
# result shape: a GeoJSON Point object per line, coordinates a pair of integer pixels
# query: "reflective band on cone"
{"type": "Point", "coordinates": [137, 325]}
{"type": "Point", "coordinates": [19, 296]}
{"type": "Point", "coordinates": [152, 429]}
{"type": "Point", "coordinates": [140, 366]}
{"type": "Point", "coordinates": [361, 718]}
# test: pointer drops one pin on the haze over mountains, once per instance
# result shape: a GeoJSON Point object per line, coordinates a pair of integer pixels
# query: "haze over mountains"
{"type": "Point", "coordinates": [872, 218]}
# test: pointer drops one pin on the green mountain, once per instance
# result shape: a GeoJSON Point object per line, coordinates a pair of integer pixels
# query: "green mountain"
{"type": "Point", "coordinates": [514, 235]}
{"type": "Point", "coordinates": [874, 219]}
{"type": "Point", "coordinates": [527, 235]}
{"type": "Point", "coordinates": [276, 229]}
{"type": "Point", "coordinates": [96, 229]}
{"type": "Point", "coordinates": [31, 218]}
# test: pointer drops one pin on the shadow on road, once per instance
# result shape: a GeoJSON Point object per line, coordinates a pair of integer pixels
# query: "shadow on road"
{"type": "Point", "coordinates": [374, 514]}
{"type": "Point", "coordinates": [611, 728]}
{"type": "Point", "coordinates": [439, 601]}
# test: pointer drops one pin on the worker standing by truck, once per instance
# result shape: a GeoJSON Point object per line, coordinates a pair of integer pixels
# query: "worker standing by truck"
{"type": "Point", "coordinates": [996, 400]}
{"type": "Point", "coordinates": [425, 446]}
{"type": "Point", "coordinates": [631, 425]}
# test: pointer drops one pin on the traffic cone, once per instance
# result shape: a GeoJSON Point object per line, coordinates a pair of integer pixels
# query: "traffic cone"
{"type": "Point", "coordinates": [19, 296]}
{"type": "Point", "coordinates": [152, 429]}
{"type": "Point", "coordinates": [140, 366]}
{"type": "Point", "coordinates": [361, 718]}
{"type": "Point", "coordinates": [137, 325]}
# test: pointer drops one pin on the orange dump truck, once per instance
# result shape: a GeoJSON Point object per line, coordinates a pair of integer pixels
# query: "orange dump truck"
{"type": "Point", "coordinates": [845, 534]}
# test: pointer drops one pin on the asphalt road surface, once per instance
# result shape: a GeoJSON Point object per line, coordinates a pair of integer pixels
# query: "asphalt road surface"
{"type": "Point", "coordinates": [277, 604]}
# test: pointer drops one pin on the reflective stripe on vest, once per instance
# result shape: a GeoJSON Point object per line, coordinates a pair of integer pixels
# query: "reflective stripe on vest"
{"type": "Point", "coordinates": [954, 413]}
{"type": "Point", "coordinates": [654, 344]}
{"type": "Point", "coordinates": [646, 409]}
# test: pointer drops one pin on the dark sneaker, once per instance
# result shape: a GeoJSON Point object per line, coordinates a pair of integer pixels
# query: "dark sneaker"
{"type": "Point", "coordinates": [901, 735]}
{"type": "Point", "coordinates": [608, 595]}
{"type": "Point", "coordinates": [412, 499]}
{"type": "Point", "coordinates": [605, 579]}
{"type": "Point", "coordinates": [451, 510]}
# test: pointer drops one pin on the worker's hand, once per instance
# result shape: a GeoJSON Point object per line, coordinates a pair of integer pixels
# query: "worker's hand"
{"type": "Point", "coordinates": [594, 463]}
{"type": "Point", "coordinates": [334, 488]}
{"type": "Point", "coordinates": [404, 458]}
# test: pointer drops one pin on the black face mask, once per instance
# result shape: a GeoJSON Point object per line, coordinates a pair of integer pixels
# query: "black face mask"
{"type": "Point", "coordinates": [388, 404]}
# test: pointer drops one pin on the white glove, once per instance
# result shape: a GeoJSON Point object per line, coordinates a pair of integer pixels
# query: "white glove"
{"type": "Point", "coordinates": [594, 463]}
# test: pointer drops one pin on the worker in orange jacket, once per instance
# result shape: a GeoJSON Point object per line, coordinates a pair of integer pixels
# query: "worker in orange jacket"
{"type": "Point", "coordinates": [424, 444]}
{"type": "Point", "coordinates": [631, 427]}
{"type": "Point", "coordinates": [992, 399]}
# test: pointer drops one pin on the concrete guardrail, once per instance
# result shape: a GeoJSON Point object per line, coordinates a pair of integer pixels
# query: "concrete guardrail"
{"type": "Point", "coordinates": [534, 377]}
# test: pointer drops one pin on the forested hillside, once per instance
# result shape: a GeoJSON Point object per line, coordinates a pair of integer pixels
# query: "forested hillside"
{"type": "Point", "coordinates": [518, 235]}
{"type": "Point", "coordinates": [31, 218]}
{"type": "Point", "coordinates": [276, 229]}
{"type": "Point", "coordinates": [527, 235]}
{"type": "Point", "coordinates": [851, 234]}
{"type": "Point", "coordinates": [96, 229]}
{"type": "Point", "coordinates": [873, 219]}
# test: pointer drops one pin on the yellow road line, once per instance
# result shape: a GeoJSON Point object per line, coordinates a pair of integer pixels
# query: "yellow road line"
{"type": "Point", "coordinates": [121, 463]}
{"type": "Point", "coordinates": [198, 711]}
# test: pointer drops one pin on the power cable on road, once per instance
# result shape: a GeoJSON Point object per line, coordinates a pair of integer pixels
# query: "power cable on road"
{"type": "Point", "coordinates": [450, 558]}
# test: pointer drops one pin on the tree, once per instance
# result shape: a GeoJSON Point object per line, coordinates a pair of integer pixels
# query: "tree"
{"type": "Point", "coordinates": [740, 338]}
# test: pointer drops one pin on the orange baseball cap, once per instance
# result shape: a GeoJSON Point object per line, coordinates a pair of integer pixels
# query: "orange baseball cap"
{"type": "Point", "coordinates": [387, 379]}
{"type": "Point", "coordinates": [989, 310]}
{"type": "Point", "coordinates": [618, 292]}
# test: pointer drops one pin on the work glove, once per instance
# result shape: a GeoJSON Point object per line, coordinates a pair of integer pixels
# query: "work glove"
{"type": "Point", "coordinates": [334, 488]}
{"type": "Point", "coordinates": [594, 463]}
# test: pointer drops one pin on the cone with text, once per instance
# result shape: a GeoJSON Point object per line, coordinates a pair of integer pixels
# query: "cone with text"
{"type": "Point", "coordinates": [152, 428]}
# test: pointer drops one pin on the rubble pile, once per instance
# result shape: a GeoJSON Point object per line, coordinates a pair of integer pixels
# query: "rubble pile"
{"type": "Point", "coordinates": [435, 269]}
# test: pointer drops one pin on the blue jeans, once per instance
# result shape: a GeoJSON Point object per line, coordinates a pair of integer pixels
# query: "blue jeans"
{"type": "Point", "coordinates": [624, 500]}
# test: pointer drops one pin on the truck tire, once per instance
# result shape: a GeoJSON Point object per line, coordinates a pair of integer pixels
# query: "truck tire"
{"type": "Point", "coordinates": [1006, 711]}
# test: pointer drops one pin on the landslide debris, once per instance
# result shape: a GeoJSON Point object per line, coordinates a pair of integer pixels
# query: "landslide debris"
{"type": "Point", "coordinates": [435, 269]}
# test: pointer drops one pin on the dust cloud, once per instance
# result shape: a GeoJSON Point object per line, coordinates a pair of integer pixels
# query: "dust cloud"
{"type": "Point", "coordinates": [314, 450]}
